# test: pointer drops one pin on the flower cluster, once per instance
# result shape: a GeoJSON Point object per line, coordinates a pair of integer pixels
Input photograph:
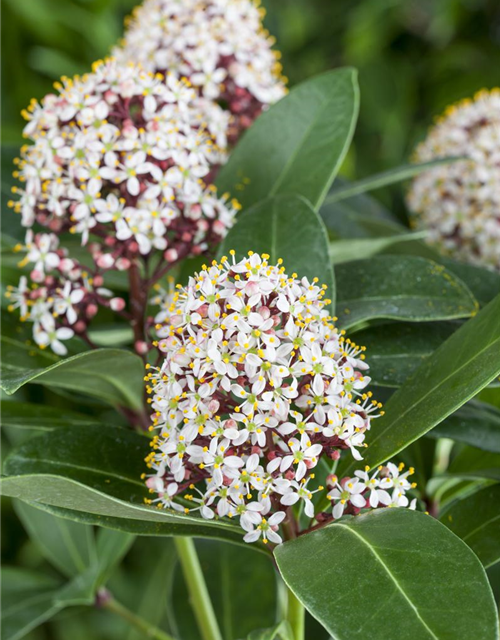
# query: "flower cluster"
{"type": "Point", "coordinates": [256, 385]}
{"type": "Point", "coordinates": [219, 45]}
{"type": "Point", "coordinates": [122, 154]}
{"type": "Point", "coordinates": [459, 203]}
{"type": "Point", "coordinates": [61, 297]}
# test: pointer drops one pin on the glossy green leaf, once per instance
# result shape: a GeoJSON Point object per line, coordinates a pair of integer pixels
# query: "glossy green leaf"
{"type": "Point", "coordinates": [375, 575]}
{"type": "Point", "coordinates": [285, 227]}
{"type": "Point", "coordinates": [112, 375]}
{"type": "Point", "coordinates": [465, 363]}
{"type": "Point", "coordinates": [39, 417]}
{"type": "Point", "coordinates": [395, 351]}
{"type": "Point", "coordinates": [27, 601]}
{"type": "Point", "coordinates": [400, 288]}
{"type": "Point", "coordinates": [476, 519]}
{"type": "Point", "coordinates": [93, 475]}
{"type": "Point", "coordinates": [67, 545]}
{"type": "Point", "coordinates": [298, 145]}
{"type": "Point", "coordinates": [362, 248]}
{"type": "Point", "coordinates": [483, 283]}
{"type": "Point", "coordinates": [383, 179]}
{"type": "Point", "coordinates": [475, 463]}
{"type": "Point", "coordinates": [476, 423]}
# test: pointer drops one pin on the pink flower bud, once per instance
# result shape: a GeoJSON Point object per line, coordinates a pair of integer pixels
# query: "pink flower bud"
{"type": "Point", "coordinates": [122, 264]}
{"type": "Point", "coordinates": [331, 479]}
{"type": "Point", "coordinates": [36, 276]}
{"type": "Point", "coordinates": [117, 304]}
{"type": "Point", "coordinates": [106, 261]}
{"type": "Point", "coordinates": [79, 326]}
{"type": "Point", "coordinates": [92, 309]}
{"type": "Point", "coordinates": [213, 407]}
{"type": "Point", "coordinates": [110, 97]}
{"type": "Point", "coordinates": [219, 228]}
{"type": "Point", "coordinates": [66, 265]}
{"type": "Point", "coordinates": [98, 281]}
{"type": "Point", "coordinates": [171, 255]}
{"type": "Point", "coordinates": [264, 312]}
{"type": "Point", "coordinates": [141, 347]}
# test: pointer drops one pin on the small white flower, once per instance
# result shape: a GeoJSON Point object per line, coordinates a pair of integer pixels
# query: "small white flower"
{"type": "Point", "coordinates": [266, 529]}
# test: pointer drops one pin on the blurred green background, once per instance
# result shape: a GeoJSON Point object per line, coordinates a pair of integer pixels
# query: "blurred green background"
{"type": "Point", "coordinates": [414, 57]}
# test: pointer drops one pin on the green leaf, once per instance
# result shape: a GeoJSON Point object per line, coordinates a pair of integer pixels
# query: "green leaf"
{"type": "Point", "coordinates": [285, 227]}
{"type": "Point", "coordinates": [483, 283]}
{"type": "Point", "coordinates": [69, 546]}
{"type": "Point", "coordinates": [23, 415]}
{"type": "Point", "coordinates": [374, 575]}
{"type": "Point", "coordinates": [344, 250]}
{"type": "Point", "coordinates": [298, 145]}
{"type": "Point", "coordinates": [468, 361]}
{"type": "Point", "coordinates": [61, 469]}
{"type": "Point", "coordinates": [476, 423]}
{"type": "Point", "coordinates": [475, 463]}
{"type": "Point", "coordinates": [281, 631]}
{"type": "Point", "coordinates": [27, 601]}
{"type": "Point", "coordinates": [399, 288]}
{"type": "Point", "coordinates": [476, 519]}
{"type": "Point", "coordinates": [112, 336]}
{"type": "Point", "coordinates": [112, 375]}
{"type": "Point", "coordinates": [394, 352]}
{"type": "Point", "coordinates": [383, 179]}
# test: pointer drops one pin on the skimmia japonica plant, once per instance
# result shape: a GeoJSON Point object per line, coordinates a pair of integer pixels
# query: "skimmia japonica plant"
{"type": "Point", "coordinates": [214, 370]}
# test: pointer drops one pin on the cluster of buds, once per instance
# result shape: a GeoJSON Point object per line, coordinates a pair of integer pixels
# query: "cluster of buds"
{"type": "Point", "coordinates": [254, 386]}
{"type": "Point", "coordinates": [459, 203]}
{"type": "Point", "coordinates": [219, 45]}
{"type": "Point", "coordinates": [62, 297]}
{"type": "Point", "coordinates": [124, 156]}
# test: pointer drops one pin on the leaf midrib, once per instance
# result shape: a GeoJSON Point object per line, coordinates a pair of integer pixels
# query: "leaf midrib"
{"type": "Point", "coordinates": [391, 576]}
{"type": "Point", "coordinates": [389, 298]}
{"type": "Point", "coordinates": [298, 148]}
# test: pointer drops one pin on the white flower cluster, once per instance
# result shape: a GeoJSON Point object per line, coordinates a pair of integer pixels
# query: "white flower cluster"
{"type": "Point", "coordinates": [459, 203]}
{"type": "Point", "coordinates": [219, 45]}
{"type": "Point", "coordinates": [255, 386]}
{"type": "Point", "coordinates": [122, 154]}
{"type": "Point", "coordinates": [60, 298]}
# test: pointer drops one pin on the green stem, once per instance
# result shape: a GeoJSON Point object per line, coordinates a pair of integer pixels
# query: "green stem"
{"type": "Point", "coordinates": [200, 600]}
{"type": "Point", "coordinates": [149, 630]}
{"type": "Point", "coordinates": [295, 616]}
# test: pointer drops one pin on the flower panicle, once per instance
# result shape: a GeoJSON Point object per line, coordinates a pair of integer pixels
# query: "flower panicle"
{"type": "Point", "coordinates": [458, 203]}
{"type": "Point", "coordinates": [254, 385]}
{"type": "Point", "coordinates": [220, 47]}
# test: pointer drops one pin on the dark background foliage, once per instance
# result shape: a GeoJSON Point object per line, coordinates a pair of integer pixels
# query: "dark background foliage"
{"type": "Point", "coordinates": [414, 58]}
